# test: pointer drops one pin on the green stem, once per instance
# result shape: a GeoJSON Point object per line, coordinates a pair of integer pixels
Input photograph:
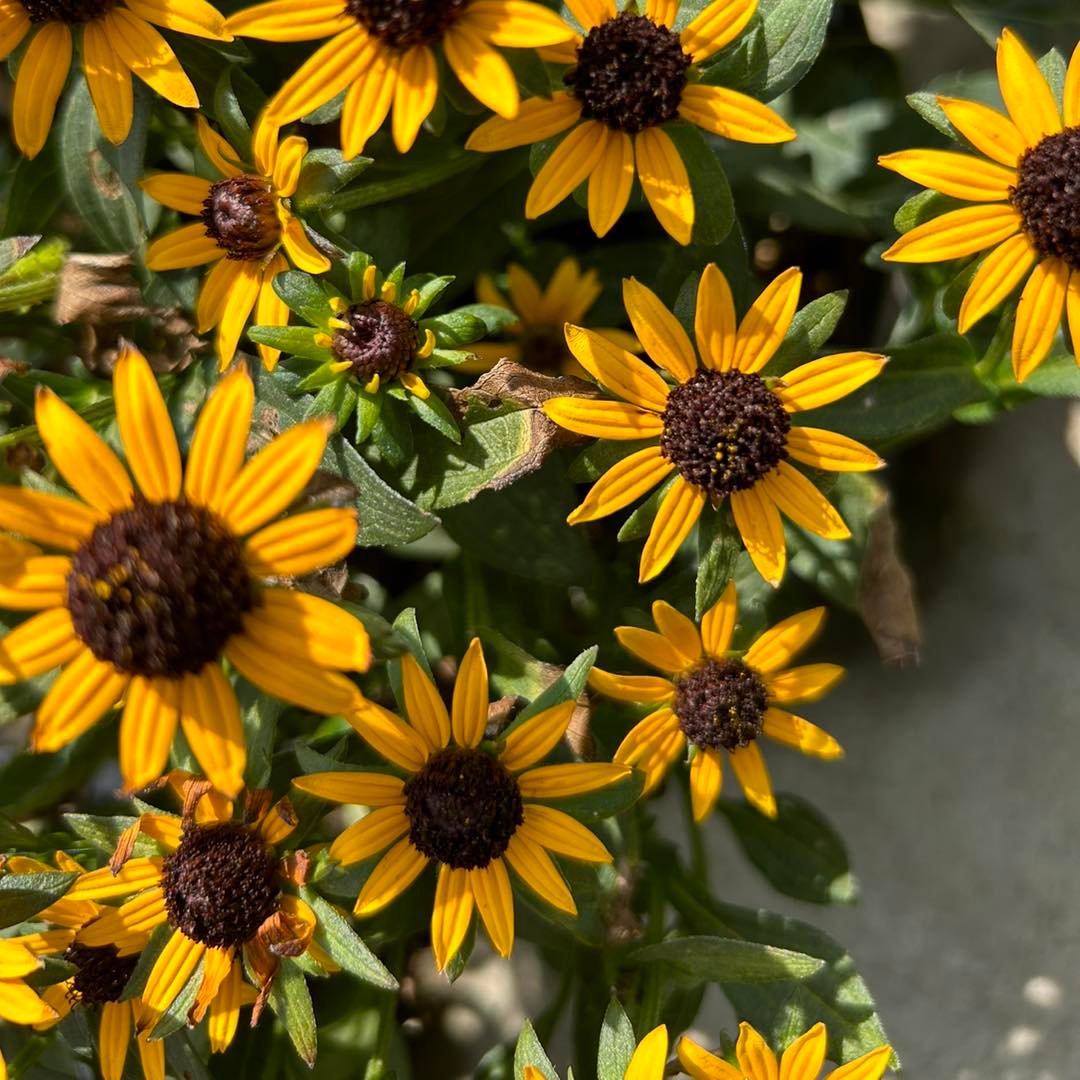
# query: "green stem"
{"type": "Point", "coordinates": [25, 1060]}
{"type": "Point", "coordinates": [652, 982]}
{"type": "Point", "coordinates": [379, 1065]}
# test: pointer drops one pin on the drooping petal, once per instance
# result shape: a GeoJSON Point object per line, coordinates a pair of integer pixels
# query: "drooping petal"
{"type": "Point", "coordinates": [603, 419]}
{"type": "Point", "coordinates": [483, 71]}
{"type": "Point", "coordinates": [762, 532]}
{"type": "Point", "coordinates": [217, 150]}
{"type": "Point", "coordinates": [301, 251]}
{"type": "Point", "coordinates": [490, 886]}
{"type": "Point", "coordinates": [956, 234]}
{"type": "Point", "coordinates": [797, 497]}
{"type": "Point", "coordinates": [610, 183]}
{"type": "Point", "coordinates": [559, 832]}
{"type": "Point", "coordinates": [1001, 271]}
{"type": "Point", "coordinates": [715, 326]}
{"type": "Point", "coordinates": [305, 626]}
{"type": "Point", "coordinates": [210, 717]}
{"type": "Point", "coordinates": [83, 692]}
{"type": "Point", "coordinates": [659, 332]}
{"type": "Point", "coordinates": [14, 26]}
{"type": "Point", "coordinates": [532, 739]}
{"type": "Point", "coordinates": [270, 309]}
{"type": "Point", "coordinates": [301, 543]}
{"type": "Point", "coordinates": [665, 182]}
{"type": "Point", "coordinates": [803, 684]}
{"type": "Point", "coordinates": [625, 482]}
{"type": "Point", "coordinates": [959, 175]}
{"type": "Point", "coordinates": [718, 623]}
{"type": "Point", "coordinates": [150, 57]}
{"type": "Point", "coordinates": [732, 115]}
{"type": "Point", "coordinates": [238, 302]}
{"type": "Point", "coordinates": [42, 74]}
{"type": "Point", "coordinates": [373, 833]}
{"type": "Point", "coordinates": [1038, 316]}
{"type": "Point", "coordinates": [801, 735]}
{"type": "Point", "coordinates": [828, 379]}
{"type": "Point", "coordinates": [151, 712]}
{"type": "Point", "coordinates": [706, 776]}
{"type": "Point", "coordinates": [822, 449]}
{"type": "Point", "coordinates": [570, 164]}
{"type": "Point", "coordinates": [537, 119]}
{"type": "Point", "coordinates": [225, 1009]}
{"type": "Point", "coordinates": [451, 914]}
{"type": "Point", "coordinates": [1072, 90]}
{"type": "Point", "coordinates": [392, 875]}
{"type": "Point", "coordinates": [986, 129]}
{"type": "Point", "coordinates": [777, 645]}
{"type": "Point", "coordinates": [678, 514]}
{"type": "Point", "coordinates": [533, 865]}
{"type": "Point", "coordinates": [114, 1034]}
{"type": "Point", "coordinates": [763, 327]}
{"type": "Point", "coordinates": [109, 81]}
{"type": "Point", "coordinates": [719, 24]}
{"type": "Point", "coordinates": [1072, 307]}
{"type": "Point", "coordinates": [755, 1057]}
{"type": "Point", "coordinates": [1027, 95]}
{"type": "Point", "coordinates": [620, 371]}
{"type": "Point", "coordinates": [43, 642]}
{"type": "Point", "coordinates": [638, 688]}
{"type": "Point", "coordinates": [468, 717]}
{"type": "Point", "coordinates": [358, 788]}
{"type": "Point", "coordinates": [145, 428]}
{"type": "Point", "coordinates": [414, 95]}
{"type": "Point", "coordinates": [19, 1004]}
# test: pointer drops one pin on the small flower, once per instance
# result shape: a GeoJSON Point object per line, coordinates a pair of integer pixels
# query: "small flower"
{"type": "Point", "coordinates": [724, 429]}
{"type": "Point", "coordinates": [383, 53]}
{"type": "Point", "coordinates": [102, 972]}
{"type": "Point", "coordinates": [542, 314]}
{"type": "Point", "coordinates": [118, 41]}
{"type": "Point", "coordinates": [1025, 207]}
{"type": "Point", "coordinates": [245, 228]}
{"type": "Point", "coordinates": [719, 701]}
{"type": "Point", "coordinates": [19, 1004]}
{"type": "Point", "coordinates": [630, 76]}
{"type": "Point", "coordinates": [221, 889]}
{"type": "Point", "coordinates": [802, 1060]}
{"type": "Point", "coordinates": [470, 807]}
{"type": "Point", "coordinates": [158, 582]}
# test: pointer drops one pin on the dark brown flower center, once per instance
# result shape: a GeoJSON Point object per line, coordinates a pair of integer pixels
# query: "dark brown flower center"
{"type": "Point", "coordinates": [724, 431]}
{"type": "Point", "coordinates": [159, 589]}
{"type": "Point", "coordinates": [463, 807]}
{"type": "Point", "coordinates": [1047, 194]}
{"type": "Point", "coordinates": [67, 11]}
{"type": "Point", "coordinates": [630, 73]}
{"type": "Point", "coordinates": [543, 348]}
{"type": "Point", "coordinates": [721, 704]}
{"type": "Point", "coordinates": [381, 340]}
{"type": "Point", "coordinates": [401, 24]}
{"type": "Point", "coordinates": [101, 973]}
{"type": "Point", "coordinates": [220, 884]}
{"type": "Point", "coordinates": [241, 218]}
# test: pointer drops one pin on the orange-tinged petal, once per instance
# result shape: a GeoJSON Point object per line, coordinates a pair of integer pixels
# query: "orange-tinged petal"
{"type": "Point", "coordinates": [43, 642]}
{"type": "Point", "coordinates": [576, 778]}
{"type": "Point", "coordinates": [718, 623]}
{"type": "Point", "coordinates": [699, 1064]}
{"type": "Point", "coordinates": [495, 902]}
{"type": "Point", "coordinates": [986, 129]}
{"type": "Point", "coordinates": [798, 498]}
{"type": "Point", "coordinates": [828, 379]}
{"type": "Point", "coordinates": [625, 482]}
{"type": "Point", "coordinates": [220, 440]}
{"type": "Point", "coordinates": [956, 234]}
{"type": "Point", "coordinates": [42, 74]}
{"type": "Point", "coordinates": [570, 164]}
{"type": "Point", "coordinates": [755, 1057]}
{"type": "Point", "coordinates": [147, 727]}
{"type": "Point", "coordinates": [150, 57]}
{"type": "Point", "coordinates": [603, 419]}
{"type": "Point", "coordinates": [537, 119]}
{"type": "Point", "coordinates": [559, 832]}
{"type": "Point", "coordinates": [822, 449]}
{"type": "Point", "coordinates": [145, 428]}
{"type": "Point", "coordinates": [638, 688]}
{"type": "Point", "coordinates": [777, 645]}
{"type": "Point", "coordinates": [517, 24]}
{"type": "Point", "coordinates": [483, 71]}
{"type": "Point", "coordinates": [706, 776]}
{"type": "Point", "coordinates": [732, 115]}
{"type": "Point", "coordinates": [800, 734]}
{"type": "Point", "coordinates": [717, 25]}
{"type": "Point", "coordinates": [424, 704]}
{"type": "Point", "coordinates": [302, 543]}
{"type": "Point", "coordinates": [533, 865]}
{"type": "Point", "coordinates": [368, 102]}
{"type": "Point", "coordinates": [665, 182]}
{"type": "Point", "coordinates": [870, 1066]}
{"type": "Point", "coordinates": [678, 514]}
{"type": "Point", "coordinates": [802, 684]}
{"type": "Point", "coordinates": [109, 82]}
{"type": "Point", "coordinates": [1027, 95]}
{"type": "Point", "coordinates": [610, 184]}
{"type": "Point", "coordinates": [1038, 316]}
{"type": "Point", "coordinates": [468, 717]}
{"type": "Point", "coordinates": [358, 788]}
{"type": "Point", "coordinates": [715, 326]}
{"type": "Point", "coordinates": [1001, 271]}
{"type": "Point", "coordinates": [187, 246]}
{"type": "Point", "coordinates": [532, 739]}
{"type": "Point", "coordinates": [620, 371]}
{"type": "Point", "coordinates": [178, 191]}
{"type": "Point", "coordinates": [678, 629]}
{"type": "Point", "coordinates": [451, 915]}
{"type": "Point", "coordinates": [83, 692]}
{"type": "Point", "coordinates": [762, 532]}
{"type": "Point", "coordinates": [414, 95]}
{"type": "Point", "coordinates": [659, 332]}
{"type": "Point", "coordinates": [763, 327]}
{"type": "Point", "coordinates": [959, 175]}
{"type": "Point", "coordinates": [373, 833]}
{"type": "Point", "coordinates": [392, 875]}
{"type": "Point", "coordinates": [210, 717]}
{"type": "Point", "coordinates": [329, 70]}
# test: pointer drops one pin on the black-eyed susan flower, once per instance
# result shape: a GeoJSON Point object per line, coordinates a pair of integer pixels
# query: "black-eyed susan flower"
{"type": "Point", "coordinates": [802, 1060]}
{"type": "Point", "coordinates": [541, 315]}
{"type": "Point", "coordinates": [222, 889]}
{"type": "Point", "coordinates": [246, 231]}
{"type": "Point", "coordinates": [648, 1061]}
{"type": "Point", "coordinates": [19, 1004]}
{"type": "Point", "coordinates": [160, 578]}
{"type": "Point", "coordinates": [383, 52]}
{"type": "Point", "coordinates": [100, 977]}
{"type": "Point", "coordinates": [723, 429]}
{"type": "Point", "coordinates": [473, 809]}
{"type": "Point", "coordinates": [719, 701]}
{"type": "Point", "coordinates": [1025, 208]}
{"type": "Point", "coordinates": [118, 40]}
{"type": "Point", "coordinates": [630, 75]}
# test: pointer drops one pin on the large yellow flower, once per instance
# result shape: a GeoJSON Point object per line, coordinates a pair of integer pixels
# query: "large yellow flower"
{"type": "Point", "coordinates": [1025, 203]}
{"type": "Point", "coordinates": [719, 701]}
{"type": "Point", "coordinates": [802, 1060]}
{"type": "Point", "coordinates": [18, 1002]}
{"type": "Point", "coordinates": [630, 75]}
{"type": "Point", "coordinates": [469, 808]}
{"type": "Point", "coordinates": [101, 974]}
{"type": "Point", "coordinates": [220, 890]}
{"type": "Point", "coordinates": [118, 41]}
{"type": "Point", "coordinates": [723, 429]}
{"type": "Point", "coordinates": [383, 53]}
{"type": "Point", "coordinates": [158, 581]}
{"type": "Point", "coordinates": [246, 224]}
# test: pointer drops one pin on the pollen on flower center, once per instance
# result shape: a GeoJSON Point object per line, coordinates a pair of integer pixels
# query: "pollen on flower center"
{"type": "Point", "coordinates": [71, 12]}
{"type": "Point", "coordinates": [463, 807]}
{"type": "Point", "coordinates": [100, 973]}
{"type": "Point", "coordinates": [240, 217]}
{"type": "Point", "coordinates": [159, 589]}
{"type": "Point", "coordinates": [1047, 195]}
{"type": "Point", "coordinates": [401, 24]}
{"type": "Point", "coordinates": [724, 431]}
{"type": "Point", "coordinates": [381, 340]}
{"type": "Point", "coordinates": [220, 884]}
{"type": "Point", "coordinates": [721, 704]}
{"type": "Point", "coordinates": [630, 73]}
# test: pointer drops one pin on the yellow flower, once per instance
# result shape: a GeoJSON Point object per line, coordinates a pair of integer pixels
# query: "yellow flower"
{"type": "Point", "coordinates": [118, 41]}
{"type": "Point", "coordinates": [245, 225]}
{"type": "Point", "coordinates": [383, 53]}
{"type": "Point", "coordinates": [717, 700]}
{"type": "Point", "coordinates": [19, 1004]}
{"type": "Point", "coordinates": [470, 809]}
{"type": "Point", "coordinates": [101, 975]}
{"type": "Point", "coordinates": [219, 889]}
{"type": "Point", "coordinates": [1024, 200]}
{"type": "Point", "coordinates": [156, 584]}
{"type": "Point", "coordinates": [743, 450]}
{"type": "Point", "coordinates": [542, 313]}
{"type": "Point", "coordinates": [629, 76]}
{"type": "Point", "coordinates": [802, 1060]}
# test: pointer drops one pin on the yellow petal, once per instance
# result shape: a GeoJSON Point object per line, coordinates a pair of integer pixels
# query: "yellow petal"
{"type": "Point", "coordinates": [719, 24]}
{"type": "Point", "coordinates": [1001, 271]}
{"type": "Point", "coordinates": [1038, 316]}
{"type": "Point", "coordinates": [678, 629]}
{"type": "Point", "coordinates": [1072, 90]}
{"type": "Point", "coordinates": [13, 27]}
{"type": "Point", "coordinates": [218, 152]}
{"type": "Point", "coordinates": [114, 1034]}
{"type": "Point", "coordinates": [719, 623]}
{"type": "Point", "coordinates": [517, 24]}
{"type": "Point", "coordinates": [490, 886]}
{"type": "Point", "coordinates": [137, 916]}
{"type": "Point", "coordinates": [424, 704]}
{"type": "Point", "coordinates": [210, 717]}
{"type": "Point", "coordinates": [645, 741]}
{"type": "Point", "coordinates": [714, 320]}
{"type": "Point", "coordinates": [357, 788]}
{"type": "Point", "coordinates": [533, 865]}
{"type": "Point", "coordinates": [639, 688]}
{"type": "Point", "coordinates": [83, 692]}
{"type": "Point", "coordinates": [755, 1057]}
{"type": "Point", "coordinates": [392, 875]}
{"type": "Point", "coordinates": [150, 57]}
{"type": "Point", "coordinates": [732, 115]}
{"type": "Point", "coordinates": [177, 191]}
{"type": "Point", "coordinates": [559, 832]}
{"type": "Point", "coordinates": [763, 327]}
{"type": "Point", "coordinates": [562, 781]}
{"type": "Point", "coordinates": [956, 234]}
{"type": "Point", "coordinates": [665, 182]}
{"type": "Point", "coordinates": [662, 11]}
{"type": "Point", "coordinates": [822, 449]}
{"type": "Point", "coordinates": [610, 183]}
{"type": "Point", "coordinates": [603, 419]}
{"type": "Point", "coordinates": [762, 532]}
{"type": "Point", "coordinates": [194, 17]}
{"type": "Point", "coordinates": [220, 440]}
{"type": "Point", "coordinates": [301, 251]}
{"type": "Point", "coordinates": [187, 246]}
{"type": "Point", "coordinates": [242, 293]}
{"type": "Point", "coordinates": [986, 129]}
{"type": "Point", "coordinates": [414, 95]}
{"type": "Point", "coordinates": [134, 876]}
{"type": "Point", "coordinates": [590, 13]}
{"type": "Point", "coordinates": [777, 645]}
{"type": "Point", "coordinates": [699, 1064]}
{"type": "Point", "coordinates": [620, 371]}
{"type": "Point", "coordinates": [42, 74]}
{"type": "Point", "coordinates": [284, 20]}
{"type": "Point", "coordinates": [802, 684]}
{"type": "Point", "coordinates": [301, 543]}
{"type": "Point", "coordinates": [20, 1005]}
{"type": "Point", "coordinates": [451, 915]}
{"type": "Point", "coordinates": [387, 735]}
{"type": "Point", "coordinates": [653, 649]}
{"type": "Point", "coordinates": [373, 833]}
{"type": "Point", "coordinates": [225, 1009]}
{"type": "Point", "coordinates": [800, 734]}
{"type": "Point", "coordinates": [1072, 304]}
{"type": "Point", "coordinates": [870, 1066]}
{"type": "Point", "coordinates": [537, 119]}
{"type": "Point", "coordinates": [678, 514]}
{"type": "Point", "coordinates": [151, 712]}
{"type": "Point", "coordinates": [169, 975]}
{"type": "Point", "coordinates": [270, 309]}
{"type": "Point", "coordinates": [532, 739]}
{"type": "Point", "coordinates": [1028, 98]}
{"type": "Point", "coordinates": [109, 83]}
{"type": "Point", "coordinates": [35, 583]}
{"type": "Point", "coordinates": [649, 1057]}
{"type": "Point", "coordinates": [145, 428]}
{"type": "Point", "coordinates": [53, 520]}
{"type": "Point", "coordinates": [659, 332]}
{"type": "Point", "coordinates": [959, 175]}
{"type": "Point", "coordinates": [706, 776]}
{"type": "Point", "coordinates": [570, 164]}
{"type": "Point", "coordinates": [38, 645]}
{"type": "Point", "coordinates": [820, 382]}
{"type": "Point", "coordinates": [482, 70]}
{"type": "Point", "coordinates": [368, 102]}
{"type": "Point", "coordinates": [468, 717]}
{"type": "Point", "coordinates": [328, 71]}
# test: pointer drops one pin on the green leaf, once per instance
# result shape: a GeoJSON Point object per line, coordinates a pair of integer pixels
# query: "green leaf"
{"type": "Point", "coordinates": [799, 852]}
{"type": "Point", "coordinates": [529, 1051]}
{"type": "Point", "coordinates": [719, 548]}
{"type": "Point", "coordinates": [291, 340]}
{"type": "Point", "coordinates": [724, 960]}
{"type": "Point", "coordinates": [105, 832]}
{"type": "Point", "coordinates": [393, 433]}
{"type": "Point", "coordinates": [323, 173]}
{"type": "Point", "coordinates": [291, 1001]}
{"type": "Point", "coordinates": [229, 112]}
{"type": "Point", "coordinates": [714, 208]}
{"type": "Point", "coordinates": [567, 687]}
{"type": "Point", "coordinates": [640, 521]}
{"type": "Point", "coordinates": [344, 946]}
{"type": "Point", "coordinates": [812, 326]}
{"type": "Point", "coordinates": [30, 272]}
{"type": "Point", "coordinates": [926, 105]}
{"type": "Point", "coordinates": [617, 1044]}
{"type": "Point", "coordinates": [305, 296]}
{"type": "Point", "coordinates": [468, 324]}
{"type": "Point", "coordinates": [23, 895]}
{"type": "Point", "coordinates": [433, 411]}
